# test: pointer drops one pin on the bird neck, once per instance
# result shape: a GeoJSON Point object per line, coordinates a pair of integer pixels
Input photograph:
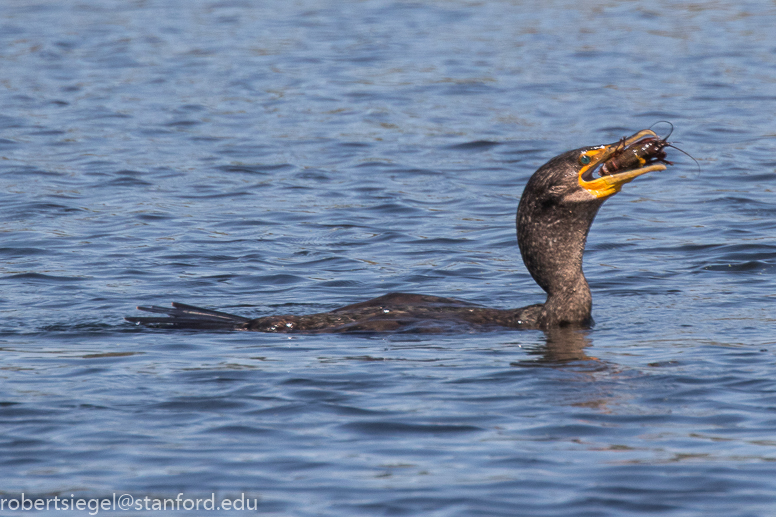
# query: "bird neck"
{"type": "Point", "coordinates": [552, 242]}
{"type": "Point", "coordinates": [570, 306]}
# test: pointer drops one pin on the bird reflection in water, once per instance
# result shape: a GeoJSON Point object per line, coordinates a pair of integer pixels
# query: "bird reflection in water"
{"type": "Point", "coordinates": [562, 346]}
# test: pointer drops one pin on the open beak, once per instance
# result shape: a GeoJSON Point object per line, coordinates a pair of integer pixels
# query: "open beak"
{"type": "Point", "coordinates": [606, 185]}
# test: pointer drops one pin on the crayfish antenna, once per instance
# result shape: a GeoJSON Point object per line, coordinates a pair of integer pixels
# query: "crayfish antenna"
{"type": "Point", "coordinates": [688, 154]}
{"type": "Point", "coordinates": [664, 122]}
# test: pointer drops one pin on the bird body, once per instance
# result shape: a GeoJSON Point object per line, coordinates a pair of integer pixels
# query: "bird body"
{"type": "Point", "coordinates": [557, 208]}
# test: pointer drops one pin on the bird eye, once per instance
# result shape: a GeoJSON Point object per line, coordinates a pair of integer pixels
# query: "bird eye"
{"type": "Point", "coordinates": [584, 159]}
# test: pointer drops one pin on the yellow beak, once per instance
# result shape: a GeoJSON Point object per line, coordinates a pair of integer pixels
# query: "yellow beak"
{"type": "Point", "coordinates": [606, 186]}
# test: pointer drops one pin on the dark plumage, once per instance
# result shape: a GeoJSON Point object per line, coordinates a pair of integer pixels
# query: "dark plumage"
{"type": "Point", "coordinates": [554, 216]}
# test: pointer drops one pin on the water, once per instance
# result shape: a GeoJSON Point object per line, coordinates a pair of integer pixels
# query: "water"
{"type": "Point", "coordinates": [297, 156]}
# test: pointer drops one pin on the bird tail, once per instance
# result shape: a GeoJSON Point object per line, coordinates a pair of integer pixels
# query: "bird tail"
{"type": "Point", "coordinates": [182, 316]}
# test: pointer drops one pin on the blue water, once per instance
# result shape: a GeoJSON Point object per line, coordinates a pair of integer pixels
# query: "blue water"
{"type": "Point", "coordinates": [292, 157]}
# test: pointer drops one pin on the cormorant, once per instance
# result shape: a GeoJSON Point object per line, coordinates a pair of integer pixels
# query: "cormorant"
{"type": "Point", "coordinates": [554, 216]}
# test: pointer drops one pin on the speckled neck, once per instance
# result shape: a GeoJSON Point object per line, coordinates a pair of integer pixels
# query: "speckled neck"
{"type": "Point", "coordinates": [552, 235]}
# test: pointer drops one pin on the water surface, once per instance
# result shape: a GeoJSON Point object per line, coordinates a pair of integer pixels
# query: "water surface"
{"type": "Point", "coordinates": [297, 156]}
